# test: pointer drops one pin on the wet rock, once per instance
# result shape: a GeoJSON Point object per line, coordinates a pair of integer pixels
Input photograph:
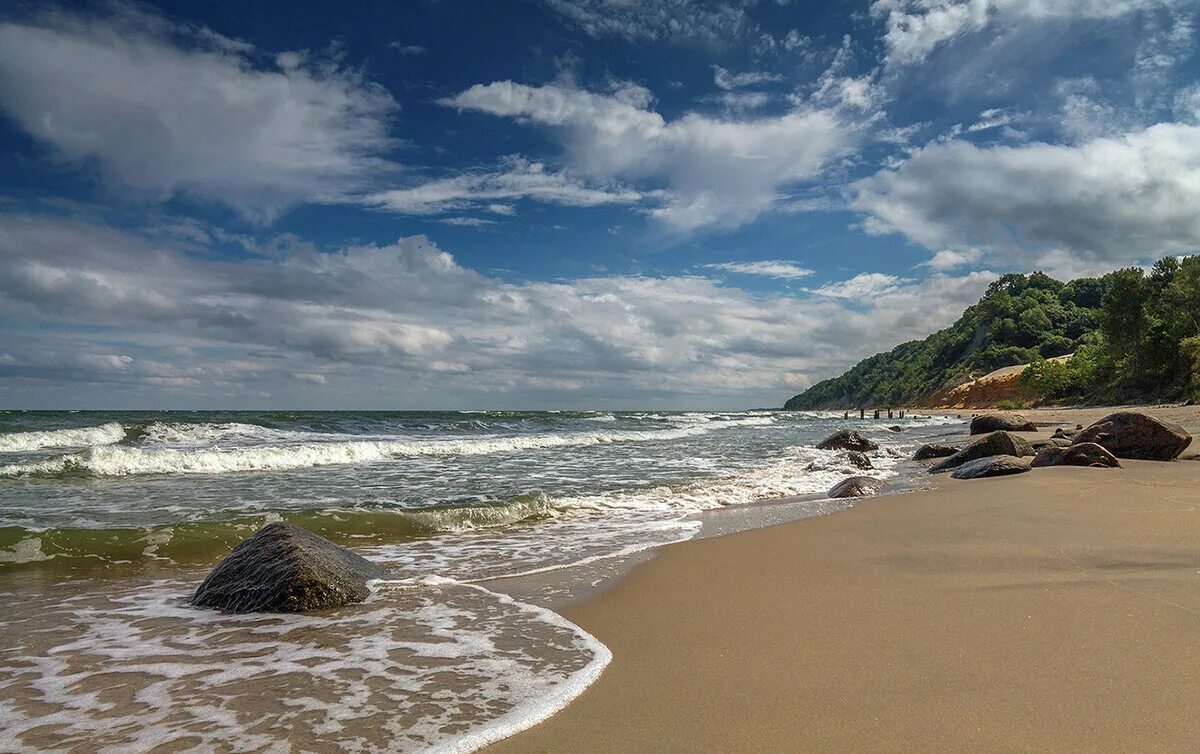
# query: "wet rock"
{"type": "Point", "coordinates": [991, 466]}
{"type": "Point", "coordinates": [985, 423]}
{"type": "Point", "coordinates": [933, 450]}
{"type": "Point", "coordinates": [1132, 434]}
{"type": "Point", "coordinates": [286, 569]}
{"type": "Point", "coordinates": [896, 428]}
{"type": "Point", "coordinates": [995, 444]}
{"type": "Point", "coordinates": [847, 439]}
{"type": "Point", "coordinates": [859, 460]}
{"type": "Point", "coordinates": [1083, 454]}
{"type": "Point", "coordinates": [856, 486]}
{"type": "Point", "coordinates": [1069, 434]}
{"type": "Point", "coordinates": [1053, 442]}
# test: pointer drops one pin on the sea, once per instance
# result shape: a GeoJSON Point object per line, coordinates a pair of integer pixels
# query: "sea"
{"type": "Point", "coordinates": [487, 521]}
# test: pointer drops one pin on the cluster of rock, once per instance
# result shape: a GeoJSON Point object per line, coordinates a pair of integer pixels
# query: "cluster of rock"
{"type": "Point", "coordinates": [1124, 434]}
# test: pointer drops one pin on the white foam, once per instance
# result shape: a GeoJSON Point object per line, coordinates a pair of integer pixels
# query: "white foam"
{"type": "Point", "coordinates": [123, 461]}
{"type": "Point", "coordinates": [105, 434]}
{"type": "Point", "coordinates": [435, 666]}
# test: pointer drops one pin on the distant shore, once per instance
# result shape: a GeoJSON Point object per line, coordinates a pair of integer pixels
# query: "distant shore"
{"type": "Point", "coordinates": [1057, 609]}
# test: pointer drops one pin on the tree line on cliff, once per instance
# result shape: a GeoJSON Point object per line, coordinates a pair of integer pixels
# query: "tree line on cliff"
{"type": "Point", "coordinates": [1135, 335]}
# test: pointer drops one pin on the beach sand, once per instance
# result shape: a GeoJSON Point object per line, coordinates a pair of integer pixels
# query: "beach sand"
{"type": "Point", "coordinates": [1055, 610]}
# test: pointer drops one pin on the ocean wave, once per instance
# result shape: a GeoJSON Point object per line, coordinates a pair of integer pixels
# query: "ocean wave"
{"type": "Point", "coordinates": [201, 542]}
{"type": "Point", "coordinates": [124, 461]}
{"type": "Point", "coordinates": [105, 434]}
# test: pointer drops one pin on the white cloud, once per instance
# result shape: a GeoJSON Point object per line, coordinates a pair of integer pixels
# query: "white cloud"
{"type": "Point", "coordinates": [772, 268]}
{"type": "Point", "coordinates": [716, 172]}
{"type": "Point", "coordinates": [862, 286]}
{"type": "Point", "coordinates": [915, 28]}
{"type": "Point", "coordinates": [1116, 199]}
{"type": "Point", "coordinates": [686, 21]}
{"type": "Point", "coordinates": [519, 179]}
{"type": "Point", "coordinates": [404, 49]}
{"type": "Point", "coordinates": [468, 222]}
{"type": "Point", "coordinates": [416, 328]}
{"type": "Point", "coordinates": [167, 110]}
{"type": "Point", "coordinates": [727, 80]}
{"type": "Point", "coordinates": [951, 259]}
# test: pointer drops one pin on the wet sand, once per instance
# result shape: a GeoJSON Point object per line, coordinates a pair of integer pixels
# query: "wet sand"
{"type": "Point", "coordinates": [1054, 610]}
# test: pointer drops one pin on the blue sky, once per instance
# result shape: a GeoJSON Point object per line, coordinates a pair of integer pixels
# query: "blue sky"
{"type": "Point", "coordinates": [564, 203]}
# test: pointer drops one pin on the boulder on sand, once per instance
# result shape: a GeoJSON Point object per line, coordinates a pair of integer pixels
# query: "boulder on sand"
{"type": "Point", "coordinates": [847, 439]}
{"type": "Point", "coordinates": [994, 444]}
{"type": "Point", "coordinates": [859, 459]}
{"type": "Point", "coordinates": [1132, 434]}
{"type": "Point", "coordinates": [991, 466]}
{"type": "Point", "coordinates": [286, 569]}
{"type": "Point", "coordinates": [985, 423]}
{"type": "Point", "coordinates": [1083, 454]}
{"type": "Point", "coordinates": [856, 486]}
{"type": "Point", "coordinates": [933, 450]}
{"type": "Point", "coordinates": [1053, 442]}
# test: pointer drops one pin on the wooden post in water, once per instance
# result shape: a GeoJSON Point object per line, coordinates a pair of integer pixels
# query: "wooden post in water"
{"type": "Point", "coordinates": [876, 413]}
{"type": "Point", "coordinates": [862, 413]}
{"type": "Point", "coordinates": [889, 413]}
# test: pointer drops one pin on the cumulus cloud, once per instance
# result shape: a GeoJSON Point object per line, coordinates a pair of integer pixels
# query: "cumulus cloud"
{"type": "Point", "coordinates": [166, 110]}
{"type": "Point", "coordinates": [772, 268]}
{"type": "Point", "coordinates": [518, 178]}
{"type": "Point", "coordinates": [406, 324]}
{"type": "Point", "coordinates": [1111, 199]}
{"type": "Point", "coordinates": [716, 172]}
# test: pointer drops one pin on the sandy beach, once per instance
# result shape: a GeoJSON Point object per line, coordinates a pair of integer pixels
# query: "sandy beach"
{"type": "Point", "coordinates": [1054, 610]}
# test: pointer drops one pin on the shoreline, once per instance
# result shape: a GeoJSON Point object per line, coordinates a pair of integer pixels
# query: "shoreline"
{"type": "Point", "coordinates": [1055, 609]}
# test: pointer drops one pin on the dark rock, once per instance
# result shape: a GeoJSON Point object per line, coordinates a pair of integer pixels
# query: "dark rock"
{"type": "Point", "coordinates": [994, 444]}
{"type": "Point", "coordinates": [1083, 454]}
{"type": "Point", "coordinates": [1053, 442]}
{"type": "Point", "coordinates": [1078, 426]}
{"type": "Point", "coordinates": [896, 428]}
{"type": "Point", "coordinates": [1189, 402]}
{"type": "Point", "coordinates": [991, 466]}
{"type": "Point", "coordinates": [985, 423]}
{"type": "Point", "coordinates": [286, 569]}
{"type": "Point", "coordinates": [847, 439]}
{"type": "Point", "coordinates": [859, 459]}
{"type": "Point", "coordinates": [933, 450]}
{"type": "Point", "coordinates": [856, 486]}
{"type": "Point", "coordinates": [1060, 432]}
{"type": "Point", "coordinates": [1132, 434]}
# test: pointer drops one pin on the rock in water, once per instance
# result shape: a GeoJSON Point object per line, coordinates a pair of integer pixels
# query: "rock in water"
{"type": "Point", "coordinates": [991, 466]}
{"type": "Point", "coordinates": [985, 423]}
{"type": "Point", "coordinates": [994, 444]}
{"type": "Point", "coordinates": [1132, 434]}
{"type": "Point", "coordinates": [856, 486]}
{"type": "Point", "coordinates": [895, 428]}
{"type": "Point", "coordinates": [1083, 454]}
{"type": "Point", "coordinates": [933, 450]}
{"type": "Point", "coordinates": [286, 569]}
{"type": "Point", "coordinates": [859, 459]}
{"type": "Point", "coordinates": [847, 439]}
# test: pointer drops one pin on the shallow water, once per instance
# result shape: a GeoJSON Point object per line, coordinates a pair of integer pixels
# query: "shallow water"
{"type": "Point", "coordinates": [108, 521]}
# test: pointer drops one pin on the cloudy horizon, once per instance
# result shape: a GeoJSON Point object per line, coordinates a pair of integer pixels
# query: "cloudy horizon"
{"type": "Point", "coordinates": [560, 203]}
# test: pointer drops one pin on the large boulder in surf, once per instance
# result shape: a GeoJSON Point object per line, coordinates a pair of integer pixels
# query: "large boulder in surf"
{"type": "Point", "coordinates": [1083, 454]}
{"type": "Point", "coordinates": [1132, 434]}
{"type": "Point", "coordinates": [985, 423]}
{"type": "Point", "coordinates": [859, 460]}
{"type": "Point", "coordinates": [856, 486]}
{"type": "Point", "coordinates": [991, 466]}
{"type": "Point", "coordinates": [847, 439]}
{"type": "Point", "coordinates": [933, 450]}
{"type": "Point", "coordinates": [994, 444]}
{"type": "Point", "coordinates": [286, 569]}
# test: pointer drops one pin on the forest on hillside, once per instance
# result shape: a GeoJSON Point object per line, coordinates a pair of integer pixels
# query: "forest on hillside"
{"type": "Point", "coordinates": [1135, 335]}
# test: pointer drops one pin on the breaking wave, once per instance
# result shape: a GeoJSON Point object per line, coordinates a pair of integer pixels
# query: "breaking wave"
{"type": "Point", "coordinates": [105, 434]}
{"type": "Point", "coordinates": [108, 460]}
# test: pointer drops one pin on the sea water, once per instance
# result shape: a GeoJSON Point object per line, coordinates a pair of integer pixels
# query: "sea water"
{"type": "Point", "coordinates": [108, 520]}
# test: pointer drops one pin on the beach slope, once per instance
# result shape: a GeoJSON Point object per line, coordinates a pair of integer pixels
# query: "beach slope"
{"type": "Point", "coordinates": [1059, 609]}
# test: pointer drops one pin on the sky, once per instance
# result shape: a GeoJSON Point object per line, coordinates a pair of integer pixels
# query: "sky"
{"type": "Point", "coordinates": [592, 204]}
